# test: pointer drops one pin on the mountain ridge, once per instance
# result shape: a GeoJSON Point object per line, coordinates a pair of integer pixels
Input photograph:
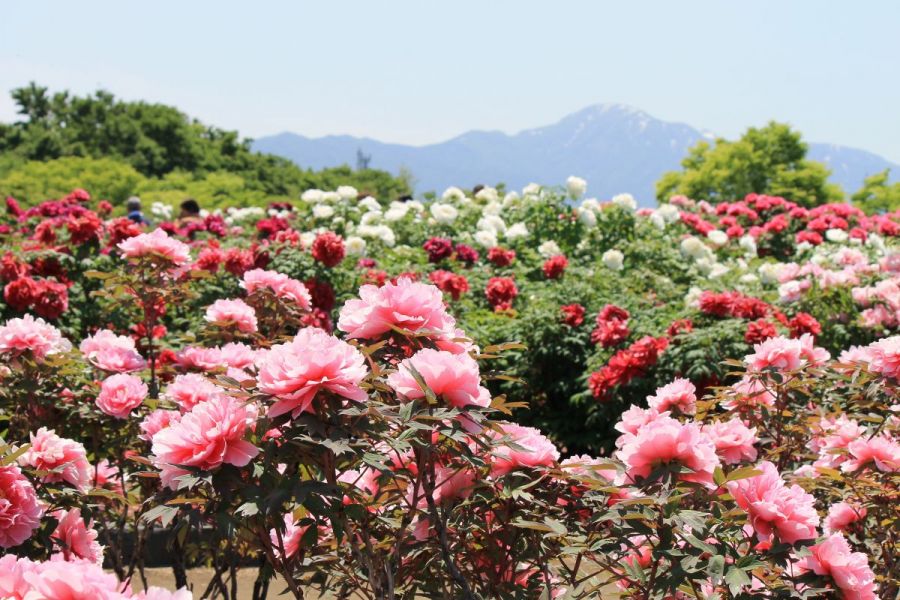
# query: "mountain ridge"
{"type": "Point", "coordinates": [616, 147]}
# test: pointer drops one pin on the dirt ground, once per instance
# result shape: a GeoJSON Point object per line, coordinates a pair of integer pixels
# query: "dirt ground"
{"type": "Point", "coordinates": [199, 579]}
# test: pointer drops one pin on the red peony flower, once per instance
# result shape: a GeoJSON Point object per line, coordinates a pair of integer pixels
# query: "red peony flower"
{"type": "Point", "coordinates": [84, 228]}
{"type": "Point", "coordinates": [573, 314]}
{"type": "Point", "coordinates": [501, 291]}
{"type": "Point", "coordinates": [238, 261]}
{"type": "Point", "coordinates": [321, 292]}
{"type": "Point", "coordinates": [20, 294]}
{"type": "Point", "coordinates": [450, 283]}
{"type": "Point", "coordinates": [759, 331]}
{"type": "Point", "coordinates": [466, 254]}
{"type": "Point", "coordinates": [555, 266]}
{"type": "Point", "coordinates": [328, 249]}
{"type": "Point", "coordinates": [51, 300]}
{"type": "Point", "coordinates": [438, 249]}
{"type": "Point", "coordinates": [612, 326]}
{"type": "Point", "coordinates": [804, 323]}
{"type": "Point", "coordinates": [501, 257]}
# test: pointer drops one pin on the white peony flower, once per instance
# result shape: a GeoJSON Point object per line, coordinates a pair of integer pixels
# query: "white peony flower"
{"type": "Point", "coordinates": [415, 205]}
{"type": "Point", "coordinates": [510, 198]}
{"type": "Point", "coordinates": [370, 218]}
{"type": "Point", "coordinates": [532, 189]}
{"type": "Point", "coordinates": [452, 193]}
{"type": "Point", "coordinates": [312, 196]}
{"type": "Point", "coordinates": [591, 204]}
{"type": "Point", "coordinates": [587, 216]}
{"type": "Point", "coordinates": [322, 211]}
{"type": "Point", "coordinates": [492, 223]}
{"type": "Point", "coordinates": [613, 259]}
{"type": "Point", "coordinates": [370, 203]}
{"type": "Point", "coordinates": [492, 209]}
{"type": "Point", "coordinates": [161, 210]}
{"type": "Point", "coordinates": [307, 238]}
{"type": "Point", "coordinates": [332, 197]}
{"type": "Point", "coordinates": [576, 186]}
{"type": "Point", "coordinates": [693, 247]}
{"type": "Point", "coordinates": [625, 201]}
{"type": "Point", "coordinates": [355, 245]}
{"type": "Point", "coordinates": [515, 231]}
{"type": "Point", "coordinates": [396, 211]}
{"type": "Point", "coordinates": [692, 298]}
{"type": "Point", "coordinates": [444, 213]}
{"type": "Point", "coordinates": [749, 278]}
{"type": "Point", "coordinates": [717, 270]}
{"type": "Point", "coordinates": [347, 192]}
{"type": "Point", "coordinates": [669, 212]}
{"type": "Point", "coordinates": [657, 220]}
{"type": "Point", "coordinates": [717, 237]}
{"type": "Point", "coordinates": [768, 272]}
{"type": "Point", "coordinates": [488, 194]}
{"type": "Point", "coordinates": [748, 244]}
{"type": "Point", "coordinates": [549, 248]}
{"type": "Point", "coordinates": [486, 238]}
{"type": "Point", "coordinates": [838, 236]}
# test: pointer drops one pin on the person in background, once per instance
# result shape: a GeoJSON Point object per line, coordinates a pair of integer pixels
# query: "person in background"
{"type": "Point", "coordinates": [133, 208]}
{"type": "Point", "coordinates": [190, 212]}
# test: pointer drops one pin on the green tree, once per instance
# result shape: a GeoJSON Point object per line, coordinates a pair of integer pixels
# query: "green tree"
{"type": "Point", "coordinates": [767, 160]}
{"type": "Point", "coordinates": [105, 178]}
{"type": "Point", "coordinates": [877, 195]}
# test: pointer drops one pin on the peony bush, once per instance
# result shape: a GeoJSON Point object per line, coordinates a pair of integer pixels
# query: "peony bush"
{"type": "Point", "coordinates": [493, 395]}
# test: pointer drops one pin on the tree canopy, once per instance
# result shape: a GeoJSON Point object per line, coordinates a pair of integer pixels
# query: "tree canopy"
{"type": "Point", "coordinates": [877, 195]}
{"type": "Point", "coordinates": [767, 160]}
{"type": "Point", "coordinates": [155, 141]}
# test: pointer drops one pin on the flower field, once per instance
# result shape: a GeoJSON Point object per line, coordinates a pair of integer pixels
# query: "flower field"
{"type": "Point", "coordinates": [478, 395]}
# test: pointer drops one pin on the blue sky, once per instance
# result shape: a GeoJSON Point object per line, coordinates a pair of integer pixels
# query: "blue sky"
{"type": "Point", "coordinates": [423, 71]}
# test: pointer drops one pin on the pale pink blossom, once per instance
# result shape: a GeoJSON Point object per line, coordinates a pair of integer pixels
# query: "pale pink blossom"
{"type": "Point", "coordinates": [841, 515]}
{"type": "Point", "coordinates": [775, 508]}
{"type": "Point", "coordinates": [733, 440]}
{"type": "Point", "coordinates": [157, 593]}
{"type": "Point", "coordinates": [190, 389]}
{"type": "Point", "coordinates": [75, 538]}
{"type": "Point", "coordinates": [232, 313]}
{"type": "Point", "coordinates": [156, 244]}
{"type": "Point", "coordinates": [72, 580]}
{"type": "Point", "coordinates": [406, 305]}
{"type": "Point", "coordinates": [110, 352]}
{"type": "Point", "coordinates": [850, 572]}
{"type": "Point", "coordinates": [665, 441]}
{"type": "Point", "coordinates": [199, 358]}
{"type": "Point", "coordinates": [20, 511]}
{"type": "Point", "coordinates": [291, 537]}
{"type": "Point", "coordinates": [282, 286]}
{"type": "Point", "coordinates": [885, 357]}
{"type": "Point", "coordinates": [313, 361]}
{"type": "Point", "coordinates": [856, 354]}
{"type": "Point", "coordinates": [120, 394]}
{"type": "Point", "coordinates": [35, 336]}
{"type": "Point", "coordinates": [680, 396]}
{"type": "Point", "coordinates": [210, 435]}
{"type": "Point", "coordinates": [65, 459]}
{"type": "Point", "coordinates": [749, 394]}
{"type": "Point", "coordinates": [237, 355]}
{"type": "Point", "coordinates": [532, 449]}
{"type": "Point", "coordinates": [453, 377]}
{"type": "Point", "coordinates": [633, 419]}
{"type": "Point", "coordinates": [785, 354]}
{"type": "Point", "coordinates": [585, 466]}
{"type": "Point", "coordinates": [882, 451]}
{"type": "Point", "coordinates": [157, 420]}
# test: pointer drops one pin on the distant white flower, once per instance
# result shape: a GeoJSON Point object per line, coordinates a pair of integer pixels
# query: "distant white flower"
{"type": "Point", "coordinates": [692, 298]}
{"type": "Point", "coordinates": [492, 223]}
{"type": "Point", "coordinates": [515, 231]}
{"type": "Point", "coordinates": [312, 196]}
{"type": "Point", "coordinates": [332, 197]}
{"type": "Point", "coordinates": [492, 209]}
{"type": "Point", "coordinates": [549, 248]}
{"type": "Point", "coordinates": [625, 201]}
{"type": "Point", "coordinates": [717, 237]}
{"type": "Point", "coordinates": [768, 272]}
{"type": "Point", "coordinates": [576, 186]}
{"type": "Point", "coordinates": [161, 210]}
{"type": "Point", "coordinates": [444, 213]}
{"type": "Point", "coordinates": [876, 241]}
{"type": "Point", "coordinates": [370, 218]}
{"type": "Point", "coordinates": [532, 189]}
{"type": "Point", "coordinates": [397, 211]}
{"type": "Point", "coordinates": [415, 205]}
{"type": "Point", "coordinates": [802, 247]}
{"type": "Point", "coordinates": [613, 259]}
{"type": "Point", "coordinates": [591, 204]}
{"type": "Point", "coordinates": [452, 193]}
{"type": "Point", "coordinates": [370, 203]}
{"type": "Point", "coordinates": [717, 270]}
{"type": "Point", "coordinates": [587, 216]}
{"type": "Point", "coordinates": [696, 249]}
{"type": "Point", "coordinates": [322, 211]}
{"type": "Point", "coordinates": [307, 238]}
{"type": "Point", "coordinates": [657, 220]}
{"type": "Point", "coordinates": [749, 278]}
{"type": "Point", "coordinates": [486, 238]}
{"type": "Point", "coordinates": [748, 244]}
{"type": "Point", "coordinates": [355, 245]}
{"type": "Point", "coordinates": [669, 212]}
{"type": "Point", "coordinates": [838, 236]}
{"type": "Point", "coordinates": [347, 192]}
{"type": "Point", "coordinates": [488, 194]}
{"type": "Point", "coordinates": [510, 198]}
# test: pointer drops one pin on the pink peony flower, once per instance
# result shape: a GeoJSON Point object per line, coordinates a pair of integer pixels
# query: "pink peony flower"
{"type": "Point", "coordinates": [156, 421]}
{"type": "Point", "coordinates": [202, 359]}
{"type": "Point", "coordinates": [291, 537]}
{"type": "Point", "coordinates": [785, 354]}
{"type": "Point", "coordinates": [36, 336]}
{"type": "Point", "coordinates": [20, 511]}
{"type": "Point", "coordinates": [76, 539]}
{"type": "Point", "coordinates": [680, 395]}
{"type": "Point", "coordinates": [280, 284]}
{"type": "Point", "coordinates": [633, 419]}
{"type": "Point", "coordinates": [841, 515]}
{"type": "Point", "coordinates": [774, 508]}
{"type": "Point", "coordinates": [191, 389]}
{"type": "Point", "coordinates": [313, 361]}
{"type": "Point", "coordinates": [532, 449]}
{"type": "Point", "coordinates": [406, 305]}
{"type": "Point", "coordinates": [75, 580]}
{"type": "Point", "coordinates": [665, 441]}
{"type": "Point", "coordinates": [454, 377]}
{"type": "Point", "coordinates": [232, 313]}
{"type": "Point", "coordinates": [110, 352]}
{"type": "Point", "coordinates": [883, 451]}
{"type": "Point", "coordinates": [120, 394]}
{"type": "Point", "coordinates": [237, 355]}
{"type": "Point", "coordinates": [885, 357]}
{"type": "Point", "coordinates": [748, 394]}
{"type": "Point", "coordinates": [210, 435]}
{"type": "Point", "coordinates": [158, 593]}
{"type": "Point", "coordinates": [733, 440]}
{"type": "Point", "coordinates": [65, 459]}
{"type": "Point", "coordinates": [156, 244]}
{"type": "Point", "coordinates": [849, 570]}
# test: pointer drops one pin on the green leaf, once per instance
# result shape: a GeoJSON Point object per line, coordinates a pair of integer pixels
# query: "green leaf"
{"type": "Point", "coordinates": [736, 579]}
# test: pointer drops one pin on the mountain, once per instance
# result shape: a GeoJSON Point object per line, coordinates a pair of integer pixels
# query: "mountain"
{"type": "Point", "coordinates": [616, 148]}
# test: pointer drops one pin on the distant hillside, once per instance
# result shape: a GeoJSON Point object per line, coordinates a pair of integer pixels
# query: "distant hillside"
{"type": "Point", "coordinates": [616, 148]}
